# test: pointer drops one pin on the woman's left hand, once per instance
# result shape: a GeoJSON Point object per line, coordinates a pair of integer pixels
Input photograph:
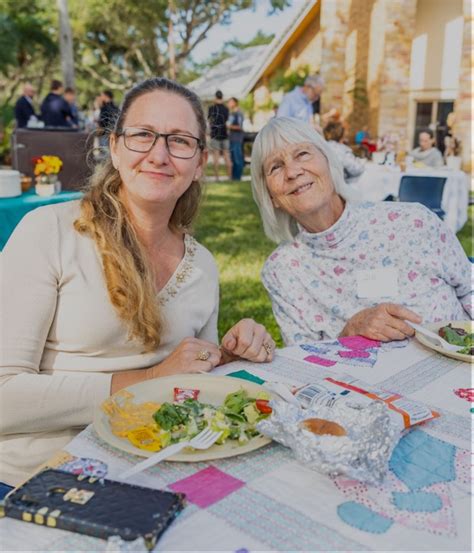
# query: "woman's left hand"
{"type": "Point", "coordinates": [248, 340]}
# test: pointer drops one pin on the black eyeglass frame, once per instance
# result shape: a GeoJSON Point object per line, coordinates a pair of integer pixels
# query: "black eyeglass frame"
{"type": "Point", "coordinates": [199, 142]}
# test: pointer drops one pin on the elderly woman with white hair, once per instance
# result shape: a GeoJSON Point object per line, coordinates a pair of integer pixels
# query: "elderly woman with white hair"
{"type": "Point", "coordinates": [346, 268]}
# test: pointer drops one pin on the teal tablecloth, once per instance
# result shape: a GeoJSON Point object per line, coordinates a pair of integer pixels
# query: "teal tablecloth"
{"type": "Point", "coordinates": [13, 209]}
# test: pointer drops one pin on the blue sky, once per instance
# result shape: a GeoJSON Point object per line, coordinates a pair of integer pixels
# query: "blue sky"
{"type": "Point", "coordinates": [244, 26]}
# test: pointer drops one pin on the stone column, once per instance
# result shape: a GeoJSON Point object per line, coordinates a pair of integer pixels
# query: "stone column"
{"type": "Point", "coordinates": [334, 18]}
{"type": "Point", "coordinates": [394, 68]}
{"type": "Point", "coordinates": [464, 102]}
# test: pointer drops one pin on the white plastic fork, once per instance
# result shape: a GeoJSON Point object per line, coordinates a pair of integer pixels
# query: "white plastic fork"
{"type": "Point", "coordinates": [203, 440]}
{"type": "Point", "coordinates": [432, 336]}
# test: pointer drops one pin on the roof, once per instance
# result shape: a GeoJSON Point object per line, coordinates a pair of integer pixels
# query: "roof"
{"type": "Point", "coordinates": [237, 75]}
{"type": "Point", "coordinates": [230, 75]}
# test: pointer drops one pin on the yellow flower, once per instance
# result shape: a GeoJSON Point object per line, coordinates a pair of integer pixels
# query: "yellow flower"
{"type": "Point", "coordinates": [48, 165]}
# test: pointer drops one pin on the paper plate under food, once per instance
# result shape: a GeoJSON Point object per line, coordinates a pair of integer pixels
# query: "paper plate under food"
{"type": "Point", "coordinates": [213, 390]}
{"type": "Point", "coordinates": [468, 326]}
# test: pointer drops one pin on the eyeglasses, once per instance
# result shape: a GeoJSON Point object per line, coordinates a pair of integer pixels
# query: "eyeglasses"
{"type": "Point", "coordinates": [181, 146]}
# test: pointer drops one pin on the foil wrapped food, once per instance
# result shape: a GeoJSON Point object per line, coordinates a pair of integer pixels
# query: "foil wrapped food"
{"type": "Point", "coordinates": [347, 438]}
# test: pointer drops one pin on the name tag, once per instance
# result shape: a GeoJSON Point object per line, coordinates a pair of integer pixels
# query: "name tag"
{"type": "Point", "coordinates": [377, 283]}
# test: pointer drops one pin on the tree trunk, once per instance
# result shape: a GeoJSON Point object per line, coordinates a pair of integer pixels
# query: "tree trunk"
{"type": "Point", "coordinates": [65, 44]}
{"type": "Point", "coordinates": [171, 45]}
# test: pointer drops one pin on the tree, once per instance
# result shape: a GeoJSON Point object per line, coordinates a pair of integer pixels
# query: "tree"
{"type": "Point", "coordinates": [125, 41]}
{"type": "Point", "coordinates": [27, 44]}
{"type": "Point", "coordinates": [65, 44]}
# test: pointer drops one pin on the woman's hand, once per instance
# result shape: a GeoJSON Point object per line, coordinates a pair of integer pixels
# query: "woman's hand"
{"type": "Point", "coordinates": [248, 340]}
{"type": "Point", "coordinates": [191, 356]}
{"type": "Point", "coordinates": [384, 322]}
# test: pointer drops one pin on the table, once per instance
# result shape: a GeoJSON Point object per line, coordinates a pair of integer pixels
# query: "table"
{"type": "Point", "coordinates": [12, 210]}
{"type": "Point", "coordinates": [266, 500]}
{"type": "Point", "coordinates": [378, 181]}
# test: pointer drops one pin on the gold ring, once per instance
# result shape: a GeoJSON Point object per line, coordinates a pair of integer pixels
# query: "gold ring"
{"type": "Point", "coordinates": [203, 355]}
{"type": "Point", "coordinates": [268, 347]}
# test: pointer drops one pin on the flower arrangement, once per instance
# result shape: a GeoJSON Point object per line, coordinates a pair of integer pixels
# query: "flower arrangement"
{"type": "Point", "coordinates": [46, 169]}
{"type": "Point", "coordinates": [47, 165]}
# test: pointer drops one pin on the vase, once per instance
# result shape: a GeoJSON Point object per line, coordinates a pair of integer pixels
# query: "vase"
{"type": "Point", "coordinates": [47, 185]}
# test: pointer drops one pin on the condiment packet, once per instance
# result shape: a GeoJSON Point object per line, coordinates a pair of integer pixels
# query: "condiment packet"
{"type": "Point", "coordinates": [182, 394]}
{"type": "Point", "coordinates": [403, 412]}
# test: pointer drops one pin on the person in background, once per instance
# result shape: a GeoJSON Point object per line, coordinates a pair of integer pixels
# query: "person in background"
{"type": "Point", "coordinates": [121, 292]}
{"type": "Point", "coordinates": [217, 116]}
{"type": "Point", "coordinates": [108, 111]}
{"type": "Point", "coordinates": [346, 268]}
{"type": "Point", "coordinates": [426, 152]}
{"type": "Point", "coordinates": [298, 103]}
{"type": "Point", "coordinates": [70, 97]}
{"type": "Point", "coordinates": [236, 138]}
{"type": "Point", "coordinates": [353, 166]}
{"type": "Point", "coordinates": [55, 111]}
{"type": "Point", "coordinates": [24, 108]}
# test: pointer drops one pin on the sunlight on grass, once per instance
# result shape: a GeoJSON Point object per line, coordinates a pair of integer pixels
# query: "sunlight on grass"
{"type": "Point", "coordinates": [229, 226]}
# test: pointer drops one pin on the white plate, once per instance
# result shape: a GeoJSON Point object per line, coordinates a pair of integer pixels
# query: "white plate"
{"type": "Point", "coordinates": [468, 327]}
{"type": "Point", "coordinates": [213, 390]}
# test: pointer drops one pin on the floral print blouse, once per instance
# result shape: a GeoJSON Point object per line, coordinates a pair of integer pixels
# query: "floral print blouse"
{"type": "Point", "coordinates": [312, 280]}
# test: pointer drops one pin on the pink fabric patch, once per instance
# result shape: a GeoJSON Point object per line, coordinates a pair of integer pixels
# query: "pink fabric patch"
{"type": "Point", "coordinates": [339, 270]}
{"type": "Point", "coordinates": [330, 237]}
{"type": "Point", "coordinates": [358, 342]}
{"type": "Point", "coordinates": [443, 237]}
{"type": "Point", "coordinates": [354, 354]}
{"type": "Point", "coordinates": [208, 486]}
{"type": "Point", "coordinates": [319, 361]}
{"type": "Point", "coordinates": [412, 275]}
{"type": "Point", "coordinates": [391, 236]}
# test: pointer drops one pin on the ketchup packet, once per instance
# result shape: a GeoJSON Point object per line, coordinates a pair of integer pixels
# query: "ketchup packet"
{"type": "Point", "coordinates": [182, 394]}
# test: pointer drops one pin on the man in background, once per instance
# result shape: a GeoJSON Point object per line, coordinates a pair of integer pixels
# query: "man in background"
{"type": "Point", "coordinates": [219, 143]}
{"type": "Point", "coordinates": [299, 102]}
{"type": "Point", "coordinates": [55, 111]}
{"type": "Point", "coordinates": [24, 108]}
{"type": "Point", "coordinates": [236, 138]}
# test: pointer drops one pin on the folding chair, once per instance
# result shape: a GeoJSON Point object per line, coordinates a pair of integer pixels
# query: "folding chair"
{"type": "Point", "coordinates": [425, 190]}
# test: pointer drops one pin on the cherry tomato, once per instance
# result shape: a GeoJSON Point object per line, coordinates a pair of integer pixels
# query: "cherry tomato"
{"type": "Point", "coordinates": [262, 406]}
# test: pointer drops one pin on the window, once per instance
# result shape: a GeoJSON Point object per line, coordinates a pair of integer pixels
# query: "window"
{"type": "Point", "coordinates": [433, 115]}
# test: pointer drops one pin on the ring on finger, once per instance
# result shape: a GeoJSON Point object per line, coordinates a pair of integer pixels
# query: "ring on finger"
{"type": "Point", "coordinates": [268, 347]}
{"type": "Point", "coordinates": [203, 355]}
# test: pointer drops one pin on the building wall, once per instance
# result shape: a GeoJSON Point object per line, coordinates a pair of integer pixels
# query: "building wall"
{"type": "Point", "coordinates": [379, 57]}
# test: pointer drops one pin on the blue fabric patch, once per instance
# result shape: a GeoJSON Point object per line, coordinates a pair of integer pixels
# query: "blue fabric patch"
{"type": "Point", "coordinates": [364, 235]}
{"type": "Point", "coordinates": [361, 517]}
{"type": "Point", "coordinates": [416, 502]}
{"type": "Point", "coordinates": [420, 460]}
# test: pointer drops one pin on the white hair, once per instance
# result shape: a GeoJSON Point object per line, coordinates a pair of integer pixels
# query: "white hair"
{"type": "Point", "coordinates": [278, 133]}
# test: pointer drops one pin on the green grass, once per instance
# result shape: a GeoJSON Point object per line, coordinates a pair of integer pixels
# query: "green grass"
{"type": "Point", "coordinates": [229, 226]}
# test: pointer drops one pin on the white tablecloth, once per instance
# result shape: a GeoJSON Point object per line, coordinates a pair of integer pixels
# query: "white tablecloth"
{"type": "Point", "coordinates": [266, 500]}
{"type": "Point", "coordinates": [378, 181]}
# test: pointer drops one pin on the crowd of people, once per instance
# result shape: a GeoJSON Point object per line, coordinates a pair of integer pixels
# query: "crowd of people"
{"type": "Point", "coordinates": [122, 292]}
{"type": "Point", "coordinates": [59, 109]}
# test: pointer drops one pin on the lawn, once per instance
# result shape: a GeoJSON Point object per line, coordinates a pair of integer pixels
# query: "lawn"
{"type": "Point", "coordinates": [229, 226]}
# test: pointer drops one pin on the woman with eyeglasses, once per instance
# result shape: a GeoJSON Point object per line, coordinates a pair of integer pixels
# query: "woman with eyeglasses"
{"type": "Point", "coordinates": [112, 290]}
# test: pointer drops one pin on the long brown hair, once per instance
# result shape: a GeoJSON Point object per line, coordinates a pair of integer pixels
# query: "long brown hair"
{"type": "Point", "coordinates": [105, 219]}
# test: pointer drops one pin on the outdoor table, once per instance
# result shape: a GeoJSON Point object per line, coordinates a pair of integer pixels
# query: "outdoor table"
{"type": "Point", "coordinates": [267, 500]}
{"type": "Point", "coordinates": [12, 210]}
{"type": "Point", "coordinates": [379, 181]}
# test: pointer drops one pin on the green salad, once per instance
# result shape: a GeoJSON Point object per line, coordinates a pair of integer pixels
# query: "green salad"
{"type": "Point", "coordinates": [458, 337]}
{"type": "Point", "coordinates": [235, 418]}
